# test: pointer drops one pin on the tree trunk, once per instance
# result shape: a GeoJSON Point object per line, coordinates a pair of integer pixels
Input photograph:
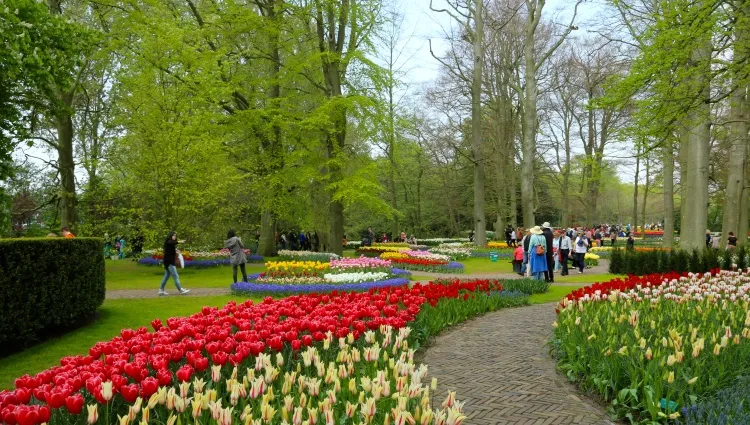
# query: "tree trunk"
{"type": "Point", "coordinates": [528, 145]}
{"type": "Point", "coordinates": [635, 188]}
{"type": "Point", "coordinates": [692, 235]}
{"type": "Point", "coordinates": [480, 224]}
{"type": "Point", "coordinates": [66, 163]}
{"type": "Point", "coordinates": [645, 193]}
{"type": "Point", "coordinates": [668, 194]}
{"type": "Point", "coordinates": [682, 156]}
{"type": "Point", "coordinates": [267, 245]}
{"type": "Point", "coordinates": [738, 153]}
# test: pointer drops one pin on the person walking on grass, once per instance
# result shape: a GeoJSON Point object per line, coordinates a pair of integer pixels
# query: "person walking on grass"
{"type": "Point", "coordinates": [581, 246]}
{"type": "Point", "coordinates": [236, 254]}
{"type": "Point", "coordinates": [170, 258]}
{"type": "Point", "coordinates": [537, 253]}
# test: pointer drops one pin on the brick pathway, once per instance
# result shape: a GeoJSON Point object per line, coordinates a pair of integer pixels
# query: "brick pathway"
{"type": "Point", "coordinates": [499, 364]}
{"type": "Point", "coordinates": [154, 293]}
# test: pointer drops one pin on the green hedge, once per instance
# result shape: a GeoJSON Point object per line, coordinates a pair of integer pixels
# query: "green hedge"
{"type": "Point", "coordinates": [47, 285]}
{"type": "Point", "coordinates": [659, 261]}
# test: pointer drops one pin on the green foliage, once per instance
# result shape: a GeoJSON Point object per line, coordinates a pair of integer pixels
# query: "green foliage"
{"type": "Point", "coordinates": [38, 54]}
{"type": "Point", "coordinates": [525, 285]}
{"type": "Point", "coordinates": [680, 261]}
{"type": "Point", "coordinates": [47, 285]}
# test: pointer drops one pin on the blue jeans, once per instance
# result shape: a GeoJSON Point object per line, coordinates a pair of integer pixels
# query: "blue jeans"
{"type": "Point", "coordinates": [171, 270]}
{"type": "Point", "coordinates": [525, 262]}
{"type": "Point", "coordinates": [538, 276]}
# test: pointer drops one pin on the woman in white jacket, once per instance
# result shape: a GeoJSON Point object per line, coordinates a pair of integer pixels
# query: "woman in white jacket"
{"type": "Point", "coordinates": [580, 247]}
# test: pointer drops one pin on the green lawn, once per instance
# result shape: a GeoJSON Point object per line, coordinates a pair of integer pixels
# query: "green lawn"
{"type": "Point", "coordinates": [126, 274]}
{"type": "Point", "coordinates": [574, 277]}
{"type": "Point", "coordinates": [555, 293]}
{"type": "Point", "coordinates": [484, 265]}
{"type": "Point", "coordinates": [114, 315]}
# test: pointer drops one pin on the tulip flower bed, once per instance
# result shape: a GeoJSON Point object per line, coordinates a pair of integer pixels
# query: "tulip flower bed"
{"type": "Point", "coordinates": [306, 255]}
{"type": "Point", "coordinates": [200, 259]}
{"type": "Point", "coordinates": [345, 274]}
{"type": "Point", "coordinates": [653, 345]}
{"type": "Point", "coordinates": [342, 358]}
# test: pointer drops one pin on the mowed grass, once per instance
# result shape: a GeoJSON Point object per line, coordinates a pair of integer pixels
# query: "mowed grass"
{"type": "Point", "coordinates": [574, 277]}
{"type": "Point", "coordinates": [126, 274]}
{"type": "Point", "coordinates": [554, 294]}
{"type": "Point", "coordinates": [113, 316]}
{"type": "Point", "coordinates": [484, 265]}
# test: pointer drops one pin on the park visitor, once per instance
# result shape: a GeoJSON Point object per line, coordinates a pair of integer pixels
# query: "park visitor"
{"type": "Point", "coordinates": [403, 236]}
{"type": "Point", "coordinates": [508, 232]}
{"type": "Point", "coordinates": [525, 243]}
{"type": "Point", "coordinates": [564, 250]}
{"type": "Point", "coordinates": [631, 242]}
{"type": "Point", "coordinates": [170, 257]}
{"type": "Point", "coordinates": [549, 275]}
{"type": "Point", "coordinates": [731, 241]}
{"type": "Point", "coordinates": [556, 250]}
{"type": "Point", "coordinates": [122, 247]}
{"type": "Point", "coordinates": [537, 253]}
{"type": "Point", "coordinates": [581, 246]}
{"type": "Point", "coordinates": [513, 237]}
{"type": "Point", "coordinates": [236, 254]}
{"type": "Point", "coordinates": [66, 233]}
{"type": "Point", "coordinates": [708, 238]}
{"type": "Point", "coordinates": [613, 235]}
{"type": "Point", "coordinates": [518, 260]}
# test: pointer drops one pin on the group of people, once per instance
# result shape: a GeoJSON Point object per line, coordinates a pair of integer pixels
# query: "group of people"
{"type": "Point", "coordinates": [304, 241]}
{"type": "Point", "coordinates": [369, 237]}
{"type": "Point", "coordinates": [715, 241]}
{"type": "Point", "coordinates": [542, 250]}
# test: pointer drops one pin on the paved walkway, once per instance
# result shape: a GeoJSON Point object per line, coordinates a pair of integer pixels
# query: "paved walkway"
{"type": "Point", "coordinates": [499, 364]}
{"type": "Point", "coordinates": [154, 293]}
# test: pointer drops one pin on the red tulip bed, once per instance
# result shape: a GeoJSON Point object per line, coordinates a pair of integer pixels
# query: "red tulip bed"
{"type": "Point", "coordinates": [343, 358]}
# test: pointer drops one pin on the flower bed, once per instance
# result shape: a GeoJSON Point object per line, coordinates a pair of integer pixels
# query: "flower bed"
{"type": "Point", "coordinates": [295, 287]}
{"type": "Point", "coordinates": [360, 264]}
{"type": "Point", "coordinates": [199, 264]}
{"type": "Point", "coordinates": [285, 254]}
{"type": "Point", "coordinates": [428, 265]}
{"type": "Point", "coordinates": [652, 345]}
{"type": "Point", "coordinates": [455, 252]}
{"type": "Point", "coordinates": [343, 357]}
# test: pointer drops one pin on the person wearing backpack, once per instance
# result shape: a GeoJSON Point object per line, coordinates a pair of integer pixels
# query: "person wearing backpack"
{"type": "Point", "coordinates": [537, 253]}
{"type": "Point", "coordinates": [580, 247]}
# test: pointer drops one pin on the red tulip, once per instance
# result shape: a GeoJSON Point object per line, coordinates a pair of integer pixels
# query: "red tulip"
{"type": "Point", "coordinates": [129, 392]}
{"type": "Point", "coordinates": [9, 416]}
{"type": "Point", "coordinates": [56, 399]}
{"type": "Point", "coordinates": [149, 386]}
{"type": "Point", "coordinates": [26, 415]}
{"type": "Point", "coordinates": [164, 376]}
{"type": "Point", "coordinates": [74, 403]}
{"type": "Point", "coordinates": [184, 373]}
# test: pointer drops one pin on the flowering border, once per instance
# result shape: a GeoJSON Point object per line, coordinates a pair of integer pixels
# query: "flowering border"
{"type": "Point", "coordinates": [199, 264]}
{"type": "Point", "coordinates": [240, 288]}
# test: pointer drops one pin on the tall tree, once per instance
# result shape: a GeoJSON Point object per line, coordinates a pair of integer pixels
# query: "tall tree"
{"type": "Point", "coordinates": [533, 61]}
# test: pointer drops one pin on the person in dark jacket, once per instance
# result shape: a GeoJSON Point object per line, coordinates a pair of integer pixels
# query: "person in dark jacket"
{"type": "Point", "coordinates": [236, 254]}
{"type": "Point", "coordinates": [170, 258]}
{"type": "Point", "coordinates": [549, 275]}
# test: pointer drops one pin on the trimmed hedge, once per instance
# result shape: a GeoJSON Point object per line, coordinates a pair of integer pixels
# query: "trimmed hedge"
{"type": "Point", "coordinates": [47, 285]}
{"type": "Point", "coordinates": [677, 260]}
